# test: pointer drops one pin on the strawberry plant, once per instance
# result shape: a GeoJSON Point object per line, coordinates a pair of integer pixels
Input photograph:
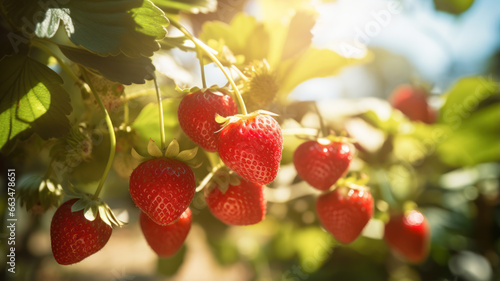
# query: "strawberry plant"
{"type": "Point", "coordinates": [205, 134]}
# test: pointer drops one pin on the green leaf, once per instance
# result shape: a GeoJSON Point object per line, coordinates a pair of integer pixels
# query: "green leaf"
{"type": "Point", "coordinates": [108, 27]}
{"type": "Point", "coordinates": [180, 42]}
{"type": "Point", "coordinates": [475, 141]}
{"type": "Point", "coordinates": [453, 6]}
{"type": "Point", "coordinates": [464, 97]}
{"type": "Point", "coordinates": [11, 42]}
{"type": "Point", "coordinates": [190, 6]}
{"type": "Point", "coordinates": [299, 34]}
{"type": "Point", "coordinates": [147, 124]}
{"type": "Point", "coordinates": [21, 12]}
{"type": "Point", "coordinates": [150, 20]}
{"type": "Point", "coordinates": [120, 68]}
{"type": "Point", "coordinates": [286, 21]}
{"type": "Point", "coordinates": [243, 36]}
{"type": "Point", "coordinates": [313, 63]}
{"type": "Point", "coordinates": [32, 97]}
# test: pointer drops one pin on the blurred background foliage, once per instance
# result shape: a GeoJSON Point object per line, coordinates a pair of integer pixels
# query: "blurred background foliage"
{"type": "Point", "coordinates": [450, 169]}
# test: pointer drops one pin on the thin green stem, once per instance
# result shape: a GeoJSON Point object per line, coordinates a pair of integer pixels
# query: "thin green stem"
{"type": "Point", "coordinates": [138, 94]}
{"type": "Point", "coordinates": [49, 170]}
{"type": "Point", "coordinates": [60, 61]}
{"type": "Point", "coordinates": [160, 110]}
{"type": "Point", "coordinates": [202, 68]}
{"type": "Point", "coordinates": [300, 132]}
{"type": "Point", "coordinates": [209, 176]}
{"type": "Point", "coordinates": [322, 128]}
{"type": "Point", "coordinates": [385, 188]}
{"type": "Point", "coordinates": [126, 111]}
{"type": "Point", "coordinates": [238, 71]}
{"type": "Point", "coordinates": [213, 158]}
{"type": "Point", "coordinates": [112, 137]}
{"type": "Point", "coordinates": [202, 47]}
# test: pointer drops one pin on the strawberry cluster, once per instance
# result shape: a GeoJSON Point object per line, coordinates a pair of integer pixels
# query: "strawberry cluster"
{"type": "Point", "coordinates": [345, 211]}
{"type": "Point", "coordinates": [250, 148]}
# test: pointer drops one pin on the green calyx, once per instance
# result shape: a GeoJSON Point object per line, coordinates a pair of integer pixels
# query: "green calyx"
{"type": "Point", "coordinates": [39, 194]}
{"type": "Point", "coordinates": [186, 91]}
{"type": "Point", "coordinates": [220, 177]}
{"type": "Point", "coordinates": [172, 151]}
{"type": "Point", "coordinates": [94, 207]}
{"type": "Point", "coordinates": [353, 181]}
{"type": "Point", "coordinates": [225, 121]}
{"type": "Point", "coordinates": [333, 138]}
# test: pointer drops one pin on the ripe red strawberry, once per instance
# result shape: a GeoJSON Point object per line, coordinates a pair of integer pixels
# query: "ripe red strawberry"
{"type": "Point", "coordinates": [197, 112]}
{"type": "Point", "coordinates": [251, 145]}
{"type": "Point", "coordinates": [73, 237]}
{"type": "Point", "coordinates": [322, 163]}
{"type": "Point", "coordinates": [162, 188]}
{"type": "Point", "coordinates": [344, 212]}
{"type": "Point", "coordinates": [412, 102]}
{"type": "Point", "coordinates": [166, 240]}
{"type": "Point", "coordinates": [408, 235]}
{"type": "Point", "coordinates": [242, 204]}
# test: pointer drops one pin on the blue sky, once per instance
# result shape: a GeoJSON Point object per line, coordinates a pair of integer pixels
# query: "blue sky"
{"type": "Point", "coordinates": [440, 47]}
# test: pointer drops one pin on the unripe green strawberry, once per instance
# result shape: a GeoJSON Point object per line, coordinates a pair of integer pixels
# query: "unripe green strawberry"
{"type": "Point", "coordinates": [166, 240]}
{"type": "Point", "coordinates": [74, 237]}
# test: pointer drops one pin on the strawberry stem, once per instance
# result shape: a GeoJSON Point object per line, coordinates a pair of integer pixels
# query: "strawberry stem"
{"type": "Point", "coordinates": [306, 132]}
{"type": "Point", "coordinates": [40, 44]}
{"type": "Point", "coordinates": [385, 189]}
{"type": "Point", "coordinates": [322, 127]}
{"type": "Point", "coordinates": [126, 112]}
{"type": "Point", "coordinates": [208, 177]}
{"type": "Point", "coordinates": [111, 131]}
{"type": "Point", "coordinates": [199, 44]}
{"type": "Point", "coordinates": [202, 68]}
{"type": "Point", "coordinates": [238, 71]}
{"type": "Point", "coordinates": [160, 110]}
